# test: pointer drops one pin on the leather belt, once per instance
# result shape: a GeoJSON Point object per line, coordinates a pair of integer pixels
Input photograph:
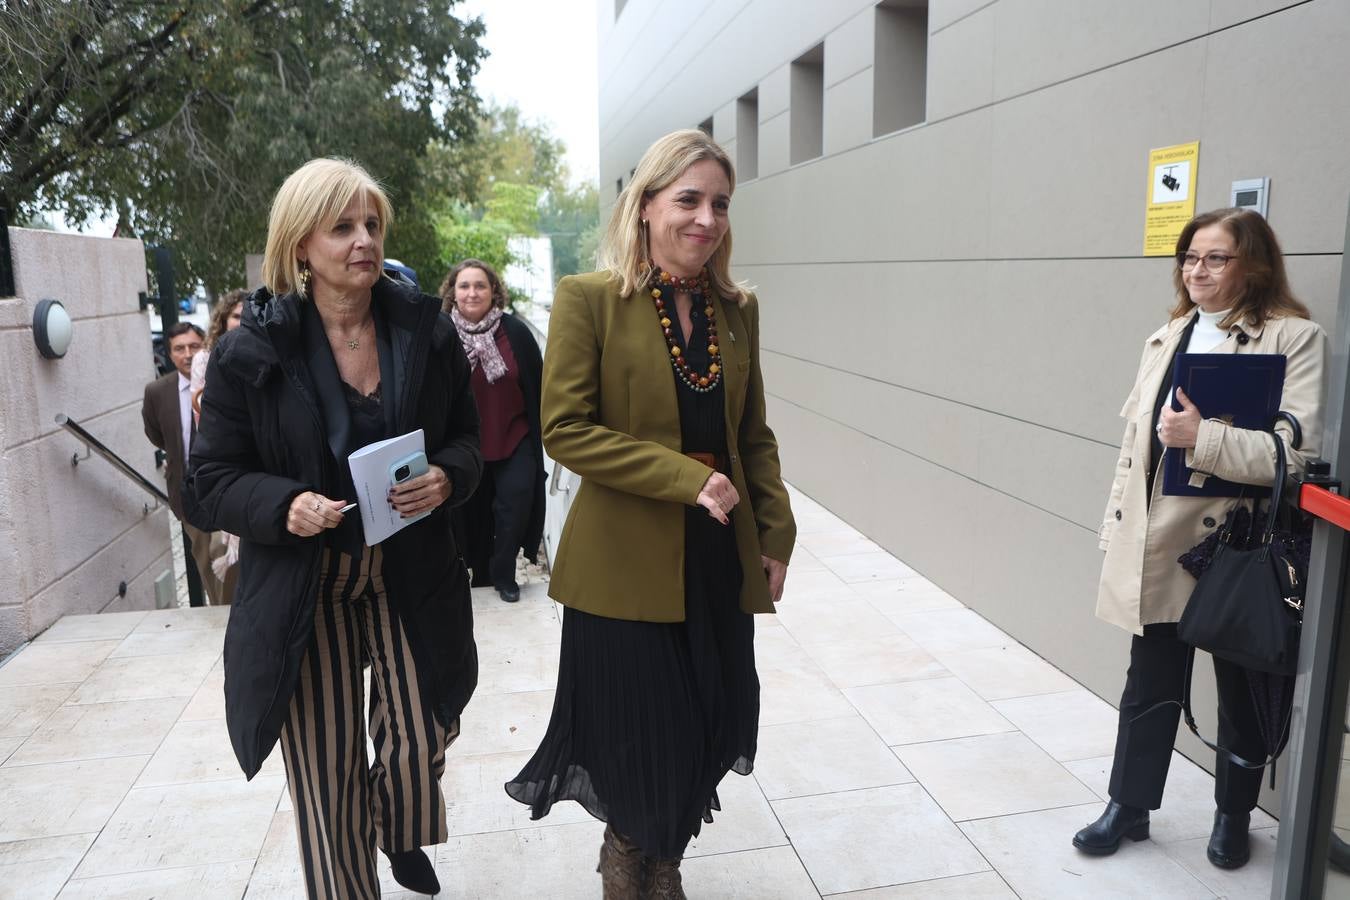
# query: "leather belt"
{"type": "Point", "coordinates": [711, 460]}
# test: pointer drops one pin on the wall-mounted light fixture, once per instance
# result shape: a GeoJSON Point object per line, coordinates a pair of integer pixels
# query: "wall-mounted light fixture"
{"type": "Point", "coordinates": [52, 329]}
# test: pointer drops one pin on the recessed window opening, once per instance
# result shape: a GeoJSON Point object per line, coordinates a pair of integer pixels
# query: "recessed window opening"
{"type": "Point", "coordinates": [900, 65]}
{"type": "Point", "coordinates": [806, 99]}
{"type": "Point", "coordinates": [747, 136]}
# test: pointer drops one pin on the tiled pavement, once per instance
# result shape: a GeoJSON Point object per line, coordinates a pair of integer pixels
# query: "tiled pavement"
{"type": "Point", "coordinates": [908, 749]}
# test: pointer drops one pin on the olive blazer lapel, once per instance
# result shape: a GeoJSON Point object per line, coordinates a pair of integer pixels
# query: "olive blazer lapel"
{"type": "Point", "coordinates": [733, 342]}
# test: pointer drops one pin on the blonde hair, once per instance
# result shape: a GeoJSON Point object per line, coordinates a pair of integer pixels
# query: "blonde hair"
{"type": "Point", "coordinates": [623, 251]}
{"type": "Point", "coordinates": [313, 197]}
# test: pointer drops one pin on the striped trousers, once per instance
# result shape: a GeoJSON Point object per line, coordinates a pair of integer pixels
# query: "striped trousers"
{"type": "Point", "coordinates": [345, 804]}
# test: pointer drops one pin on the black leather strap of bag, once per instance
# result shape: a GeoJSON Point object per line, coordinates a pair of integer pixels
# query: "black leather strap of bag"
{"type": "Point", "coordinates": [1276, 497]}
{"type": "Point", "coordinates": [1232, 757]}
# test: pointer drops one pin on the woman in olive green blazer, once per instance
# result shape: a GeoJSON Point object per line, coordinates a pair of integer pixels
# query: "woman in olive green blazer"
{"type": "Point", "coordinates": [681, 528]}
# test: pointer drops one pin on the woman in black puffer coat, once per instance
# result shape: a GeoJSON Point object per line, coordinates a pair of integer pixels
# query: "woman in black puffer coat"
{"type": "Point", "coordinates": [331, 356]}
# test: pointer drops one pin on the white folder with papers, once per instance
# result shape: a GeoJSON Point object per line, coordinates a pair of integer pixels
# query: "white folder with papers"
{"type": "Point", "coordinates": [370, 473]}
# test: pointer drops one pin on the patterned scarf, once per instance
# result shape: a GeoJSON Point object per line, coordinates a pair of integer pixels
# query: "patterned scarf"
{"type": "Point", "coordinates": [480, 342]}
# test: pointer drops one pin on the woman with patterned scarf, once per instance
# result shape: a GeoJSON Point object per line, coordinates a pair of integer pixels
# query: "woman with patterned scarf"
{"type": "Point", "coordinates": [506, 513]}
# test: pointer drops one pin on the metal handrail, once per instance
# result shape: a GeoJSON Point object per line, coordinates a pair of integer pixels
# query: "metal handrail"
{"type": "Point", "coordinates": [118, 463]}
{"type": "Point", "coordinates": [1325, 504]}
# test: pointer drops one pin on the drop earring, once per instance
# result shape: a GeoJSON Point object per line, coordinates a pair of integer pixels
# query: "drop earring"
{"type": "Point", "coordinates": [304, 279]}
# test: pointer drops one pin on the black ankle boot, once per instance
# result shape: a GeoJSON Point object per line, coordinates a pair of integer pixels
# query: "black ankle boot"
{"type": "Point", "coordinates": [1229, 847]}
{"type": "Point", "coordinates": [1102, 837]}
{"type": "Point", "coordinates": [414, 871]}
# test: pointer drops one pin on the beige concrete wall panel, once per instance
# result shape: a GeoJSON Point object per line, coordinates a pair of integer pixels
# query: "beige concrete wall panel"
{"type": "Point", "coordinates": [90, 277]}
{"type": "Point", "coordinates": [961, 67]}
{"type": "Point", "coordinates": [1041, 42]}
{"type": "Point", "coordinates": [848, 112]}
{"type": "Point", "coordinates": [716, 52]}
{"type": "Point", "coordinates": [1064, 475]}
{"type": "Point", "coordinates": [92, 585]}
{"type": "Point", "coordinates": [943, 13]}
{"type": "Point", "coordinates": [1257, 123]}
{"type": "Point", "coordinates": [849, 47]}
{"type": "Point", "coordinates": [1012, 362]}
{"type": "Point", "coordinates": [64, 514]}
{"type": "Point", "coordinates": [1069, 164]}
{"type": "Point", "coordinates": [141, 590]}
{"type": "Point", "coordinates": [918, 511]}
{"type": "Point", "coordinates": [1035, 576]}
{"type": "Point", "coordinates": [13, 628]}
{"type": "Point", "coordinates": [1316, 281]}
{"type": "Point", "coordinates": [1226, 13]}
{"type": "Point", "coordinates": [931, 428]}
{"type": "Point", "coordinates": [920, 195]}
{"type": "Point", "coordinates": [774, 143]}
{"type": "Point", "coordinates": [724, 125]}
{"type": "Point", "coordinates": [775, 92]}
{"type": "Point", "coordinates": [15, 313]}
{"type": "Point", "coordinates": [1059, 341]}
{"type": "Point", "coordinates": [894, 329]}
{"type": "Point", "coordinates": [108, 365]}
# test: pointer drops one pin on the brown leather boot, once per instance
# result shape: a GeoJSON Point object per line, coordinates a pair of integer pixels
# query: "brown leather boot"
{"type": "Point", "coordinates": [663, 880]}
{"type": "Point", "coordinates": [620, 868]}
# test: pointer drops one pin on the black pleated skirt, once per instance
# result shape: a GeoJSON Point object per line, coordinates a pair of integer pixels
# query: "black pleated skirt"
{"type": "Point", "coordinates": [649, 716]}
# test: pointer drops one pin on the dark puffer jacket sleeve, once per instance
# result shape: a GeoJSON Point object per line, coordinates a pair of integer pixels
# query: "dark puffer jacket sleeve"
{"type": "Point", "coordinates": [225, 488]}
{"type": "Point", "coordinates": [460, 456]}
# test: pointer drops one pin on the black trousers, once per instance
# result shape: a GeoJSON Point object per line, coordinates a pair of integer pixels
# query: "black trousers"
{"type": "Point", "coordinates": [512, 503]}
{"type": "Point", "coordinates": [1144, 739]}
{"type": "Point", "coordinates": [196, 594]}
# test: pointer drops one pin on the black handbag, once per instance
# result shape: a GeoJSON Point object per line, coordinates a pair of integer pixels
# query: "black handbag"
{"type": "Point", "coordinates": [1247, 606]}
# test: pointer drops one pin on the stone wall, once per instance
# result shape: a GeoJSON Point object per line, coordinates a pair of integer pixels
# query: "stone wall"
{"type": "Point", "coordinates": [71, 535]}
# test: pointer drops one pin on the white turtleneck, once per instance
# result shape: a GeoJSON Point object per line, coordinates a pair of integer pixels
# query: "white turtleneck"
{"type": "Point", "coordinates": [1206, 335]}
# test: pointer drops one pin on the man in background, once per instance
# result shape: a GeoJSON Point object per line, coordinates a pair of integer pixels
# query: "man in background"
{"type": "Point", "coordinates": [167, 412]}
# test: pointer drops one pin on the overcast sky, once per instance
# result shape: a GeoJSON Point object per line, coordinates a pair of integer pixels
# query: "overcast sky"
{"type": "Point", "coordinates": [543, 60]}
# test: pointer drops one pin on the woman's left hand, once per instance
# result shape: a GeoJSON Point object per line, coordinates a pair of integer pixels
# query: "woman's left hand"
{"type": "Point", "coordinates": [421, 494]}
{"type": "Point", "coordinates": [1179, 429]}
{"type": "Point", "coordinates": [776, 572]}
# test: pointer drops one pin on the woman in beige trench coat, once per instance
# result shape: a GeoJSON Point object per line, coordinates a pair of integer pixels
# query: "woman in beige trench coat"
{"type": "Point", "coordinates": [1232, 297]}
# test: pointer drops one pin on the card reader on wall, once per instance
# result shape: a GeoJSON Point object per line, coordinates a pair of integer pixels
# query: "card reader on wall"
{"type": "Point", "coordinates": [1251, 193]}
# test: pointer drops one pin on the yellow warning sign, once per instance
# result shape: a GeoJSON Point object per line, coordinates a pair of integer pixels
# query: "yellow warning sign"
{"type": "Point", "coordinates": [1171, 196]}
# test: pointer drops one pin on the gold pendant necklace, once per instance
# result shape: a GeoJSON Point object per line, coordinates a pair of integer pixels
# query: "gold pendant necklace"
{"type": "Point", "coordinates": [354, 345]}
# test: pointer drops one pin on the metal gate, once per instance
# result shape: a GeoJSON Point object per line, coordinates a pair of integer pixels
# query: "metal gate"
{"type": "Point", "coordinates": [1308, 846]}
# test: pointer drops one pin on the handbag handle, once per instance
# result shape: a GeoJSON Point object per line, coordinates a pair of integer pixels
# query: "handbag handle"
{"type": "Point", "coordinates": [1281, 470]}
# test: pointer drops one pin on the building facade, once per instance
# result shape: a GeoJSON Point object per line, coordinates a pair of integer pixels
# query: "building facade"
{"type": "Point", "coordinates": [76, 535]}
{"type": "Point", "coordinates": [942, 207]}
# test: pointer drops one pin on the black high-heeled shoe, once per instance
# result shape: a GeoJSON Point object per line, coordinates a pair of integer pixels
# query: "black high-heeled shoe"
{"type": "Point", "coordinates": [414, 871]}
{"type": "Point", "coordinates": [1102, 837]}
{"type": "Point", "coordinates": [1229, 845]}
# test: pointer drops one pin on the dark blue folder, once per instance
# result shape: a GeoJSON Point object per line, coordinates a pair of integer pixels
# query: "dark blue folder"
{"type": "Point", "coordinates": [1244, 389]}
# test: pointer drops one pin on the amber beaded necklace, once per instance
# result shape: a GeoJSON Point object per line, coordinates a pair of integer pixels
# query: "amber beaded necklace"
{"type": "Point", "coordinates": [663, 283]}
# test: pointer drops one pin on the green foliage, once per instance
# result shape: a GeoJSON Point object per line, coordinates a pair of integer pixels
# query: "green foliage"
{"type": "Point", "coordinates": [184, 117]}
{"type": "Point", "coordinates": [512, 180]}
{"type": "Point", "coordinates": [462, 236]}
{"type": "Point", "coordinates": [516, 205]}
{"type": "Point", "coordinates": [571, 219]}
{"type": "Point", "coordinates": [506, 147]}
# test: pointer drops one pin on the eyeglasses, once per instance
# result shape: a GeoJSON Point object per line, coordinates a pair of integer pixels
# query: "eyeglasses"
{"type": "Point", "coordinates": [1214, 262]}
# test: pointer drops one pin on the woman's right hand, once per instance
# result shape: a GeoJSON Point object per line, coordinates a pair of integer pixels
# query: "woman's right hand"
{"type": "Point", "coordinates": [311, 513]}
{"type": "Point", "coordinates": [718, 497]}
